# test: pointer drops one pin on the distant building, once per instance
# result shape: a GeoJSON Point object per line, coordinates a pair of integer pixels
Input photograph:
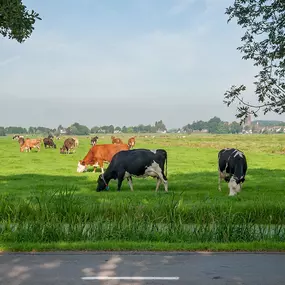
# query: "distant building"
{"type": "Point", "coordinates": [248, 121]}
{"type": "Point", "coordinates": [63, 131]}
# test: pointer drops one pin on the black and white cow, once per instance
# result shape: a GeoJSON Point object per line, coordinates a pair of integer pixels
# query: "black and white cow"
{"type": "Point", "coordinates": [232, 168]}
{"type": "Point", "coordinates": [94, 140]}
{"type": "Point", "coordinates": [135, 162]}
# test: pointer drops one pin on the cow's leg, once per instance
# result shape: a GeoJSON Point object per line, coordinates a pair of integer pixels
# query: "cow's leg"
{"type": "Point", "coordinates": [130, 181]}
{"type": "Point", "coordinates": [165, 185]}
{"type": "Point", "coordinates": [163, 179]}
{"type": "Point", "coordinates": [158, 182]}
{"type": "Point", "coordinates": [219, 180]}
{"type": "Point", "coordinates": [101, 164]}
{"type": "Point", "coordinates": [120, 179]}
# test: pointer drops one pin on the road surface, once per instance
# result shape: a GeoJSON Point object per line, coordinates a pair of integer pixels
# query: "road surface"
{"type": "Point", "coordinates": [76, 268]}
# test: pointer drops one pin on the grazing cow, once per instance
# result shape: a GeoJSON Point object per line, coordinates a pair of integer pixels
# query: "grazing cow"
{"type": "Point", "coordinates": [94, 140]}
{"type": "Point", "coordinates": [232, 166]}
{"type": "Point", "coordinates": [135, 162]}
{"type": "Point", "coordinates": [49, 142]}
{"type": "Point", "coordinates": [132, 142]}
{"type": "Point", "coordinates": [28, 144]}
{"type": "Point", "coordinates": [98, 154]}
{"type": "Point", "coordinates": [76, 141]}
{"type": "Point", "coordinates": [116, 140]}
{"type": "Point", "coordinates": [68, 145]}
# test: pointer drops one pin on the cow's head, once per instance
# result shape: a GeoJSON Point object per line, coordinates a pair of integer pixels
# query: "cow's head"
{"type": "Point", "coordinates": [62, 150]}
{"type": "Point", "coordinates": [235, 183]}
{"type": "Point", "coordinates": [81, 167]}
{"type": "Point", "coordinates": [101, 183]}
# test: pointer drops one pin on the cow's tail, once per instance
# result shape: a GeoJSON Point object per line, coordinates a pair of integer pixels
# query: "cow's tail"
{"type": "Point", "coordinates": [166, 164]}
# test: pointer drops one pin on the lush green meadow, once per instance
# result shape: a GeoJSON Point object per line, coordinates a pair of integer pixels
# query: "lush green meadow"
{"type": "Point", "coordinates": [45, 204]}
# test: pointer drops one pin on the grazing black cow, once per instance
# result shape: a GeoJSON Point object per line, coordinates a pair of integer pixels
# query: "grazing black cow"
{"type": "Point", "coordinates": [232, 166]}
{"type": "Point", "coordinates": [49, 142]}
{"type": "Point", "coordinates": [136, 162]}
{"type": "Point", "coordinates": [94, 140]}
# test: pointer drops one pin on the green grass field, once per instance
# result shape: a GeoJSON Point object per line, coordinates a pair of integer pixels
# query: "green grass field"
{"type": "Point", "coordinates": [45, 204]}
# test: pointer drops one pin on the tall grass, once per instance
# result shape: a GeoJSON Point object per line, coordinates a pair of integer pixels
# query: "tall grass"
{"type": "Point", "coordinates": [64, 216]}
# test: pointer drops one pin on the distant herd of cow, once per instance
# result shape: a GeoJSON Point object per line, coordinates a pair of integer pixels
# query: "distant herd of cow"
{"type": "Point", "coordinates": [125, 162]}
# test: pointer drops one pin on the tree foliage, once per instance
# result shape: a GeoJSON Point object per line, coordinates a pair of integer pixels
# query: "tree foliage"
{"type": "Point", "coordinates": [16, 21]}
{"type": "Point", "coordinates": [77, 129]}
{"type": "Point", "coordinates": [215, 126]}
{"type": "Point", "coordinates": [2, 132]}
{"type": "Point", "coordinates": [264, 43]}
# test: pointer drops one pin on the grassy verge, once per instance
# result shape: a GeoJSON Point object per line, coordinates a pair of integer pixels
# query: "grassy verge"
{"type": "Point", "coordinates": [143, 246]}
{"type": "Point", "coordinates": [43, 222]}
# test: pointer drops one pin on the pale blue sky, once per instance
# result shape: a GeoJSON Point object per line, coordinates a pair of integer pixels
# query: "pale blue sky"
{"type": "Point", "coordinates": [123, 63]}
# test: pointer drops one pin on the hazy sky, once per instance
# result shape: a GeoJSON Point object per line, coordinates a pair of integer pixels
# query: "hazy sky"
{"type": "Point", "coordinates": [123, 62]}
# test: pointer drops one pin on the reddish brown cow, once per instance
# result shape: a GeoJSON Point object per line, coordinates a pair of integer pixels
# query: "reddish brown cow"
{"type": "Point", "coordinates": [116, 140]}
{"type": "Point", "coordinates": [98, 154]}
{"type": "Point", "coordinates": [132, 142]}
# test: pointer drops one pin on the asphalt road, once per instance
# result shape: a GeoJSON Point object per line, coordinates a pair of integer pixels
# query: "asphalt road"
{"type": "Point", "coordinates": [182, 268]}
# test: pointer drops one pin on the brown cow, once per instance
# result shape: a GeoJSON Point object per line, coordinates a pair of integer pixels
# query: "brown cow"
{"type": "Point", "coordinates": [68, 145]}
{"type": "Point", "coordinates": [98, 154]}
{"type": "Point", "coordinates": [28, 144]}
{"type": "Point", "coordinates": [76, 141]}
{"type": "Point", "coordinates": [116, 140]}
{"type": "Point", "coordinates": [132, 142]}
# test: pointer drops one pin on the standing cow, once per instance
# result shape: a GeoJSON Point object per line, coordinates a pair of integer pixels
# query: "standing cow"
{"type": "Point", "coordinates": [116, 140]}
{"type": "Point", "coordinates": [132, 142]}
{"type": "Point", "coordinates": [94, 140]}
{"type": "Point", "coordinates": [232, 166]}
{"type": "Point", "coordinates": [136, 162]}
{"type": "Point", "coordinates": [17, 137]}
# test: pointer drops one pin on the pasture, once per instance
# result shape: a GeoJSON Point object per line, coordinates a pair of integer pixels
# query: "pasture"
{"type": "Point", "coordinates": [45, 204]}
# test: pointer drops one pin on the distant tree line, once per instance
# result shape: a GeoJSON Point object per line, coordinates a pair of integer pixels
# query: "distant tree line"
{"type": "Point", "coordinates": [215, 126]}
